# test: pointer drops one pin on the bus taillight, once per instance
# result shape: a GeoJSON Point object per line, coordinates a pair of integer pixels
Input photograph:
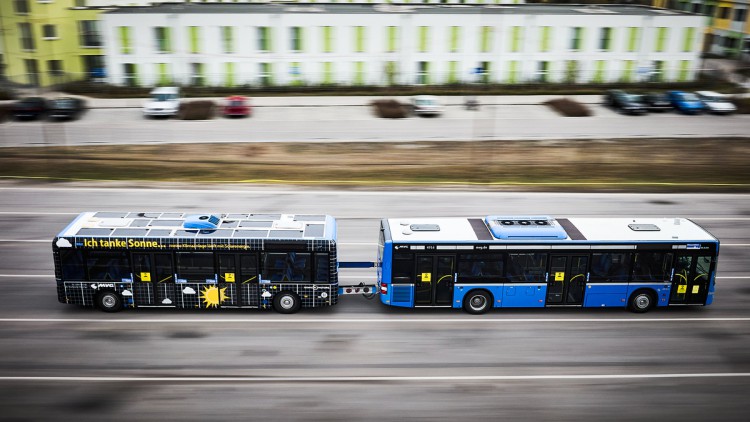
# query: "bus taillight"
{"type": "Point", "coordinates": [383, 289]}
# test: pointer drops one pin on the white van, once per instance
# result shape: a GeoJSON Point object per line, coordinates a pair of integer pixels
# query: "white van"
{"type": "Point", "coordinates": [716, 103]}
{"type": "Point", "coordinates": [165, 101]}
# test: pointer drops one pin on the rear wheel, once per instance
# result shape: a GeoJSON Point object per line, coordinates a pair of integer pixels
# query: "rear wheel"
{"type": "Point", "coordinates": [109, 302]}
{"type": "Point", "coordinates": [286, 303]}
{"type": "Point", "coordinates": [477, 302]}
{"type": "Point", "coordinates": [641, 301]}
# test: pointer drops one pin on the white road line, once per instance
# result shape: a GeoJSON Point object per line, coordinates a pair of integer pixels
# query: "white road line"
{"type": "Point", "coordinates": [333, 379]}
{"type": "Point", "coordinates": [397, 320]}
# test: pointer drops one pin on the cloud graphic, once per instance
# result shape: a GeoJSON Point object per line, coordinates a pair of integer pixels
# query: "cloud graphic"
{"type": "Point", "coordinates": [188, 291]}
{"type": "Point", "coordinates": [63, 243]}
{"type": "Point", "coordinates": [166, 302]}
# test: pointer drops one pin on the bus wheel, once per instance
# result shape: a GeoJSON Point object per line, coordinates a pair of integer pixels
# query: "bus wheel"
{"type": "Point", "coordinates": [109, 302]}
{"type": "Point", "coordinates": [286, 303]}
{"type": "Point", "coordinates": [477, 302]}
{"type": "Point", "coordinates": [641, 301]}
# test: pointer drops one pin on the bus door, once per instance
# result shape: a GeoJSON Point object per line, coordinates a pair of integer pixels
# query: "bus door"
{"type": "Point", "coordinates": [153, 279]}
{"type": "Point", "coordinates": [227, 293]}
{"type": "Point", "coordinates": [566, 282]}
{"type": "Point", "coordinates": [434, 280]}
{"type": "Point", "coordinates": [692, 272]}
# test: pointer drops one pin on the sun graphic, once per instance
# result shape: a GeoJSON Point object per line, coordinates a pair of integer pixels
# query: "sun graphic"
{"type": "Point", "coordinates": [212, 296]}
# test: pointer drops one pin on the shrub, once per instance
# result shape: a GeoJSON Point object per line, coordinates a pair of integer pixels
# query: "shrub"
{"type": "Point", "coordinates": [390, 109]}
{"type": "Point", "coordinates": [569, 108]}
{"type": "Point", "coordinates": [742, 104]}
{"type": "Point", "coordinates": [196, 110]}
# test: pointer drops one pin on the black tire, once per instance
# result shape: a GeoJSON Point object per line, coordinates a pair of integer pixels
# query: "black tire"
{"type": "Point", "coordinates": [286, 302]}
{"type": "Point", "coordinates": [109, 302]}
{"type": "Point", "coordinates": [477, 302]}
{"type": "Point", "coordinates": [641, 301]}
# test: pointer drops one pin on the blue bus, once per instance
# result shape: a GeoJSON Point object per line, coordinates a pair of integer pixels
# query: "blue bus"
{"type": "Point", "coordinates": [538, 261]}
{"type": "Point", "coordinates": [115, 260]}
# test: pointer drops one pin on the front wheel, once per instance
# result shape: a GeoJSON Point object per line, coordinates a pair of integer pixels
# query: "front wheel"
{"type": "Point", "coordinates": [286, 303]}
{"type": "Point", "coordinates": [109, 302]}
{"type": "Point", "coordinates": [477, 302]}
{"type": "Point", "coordinates": [641, 302]}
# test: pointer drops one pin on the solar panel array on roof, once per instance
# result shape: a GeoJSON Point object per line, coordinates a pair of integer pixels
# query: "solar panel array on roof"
{"type": "Point", "coordinates": [172, 224]}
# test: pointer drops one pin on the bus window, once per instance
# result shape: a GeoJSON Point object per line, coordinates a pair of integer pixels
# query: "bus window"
{"type": "Point", "coordinates": [610, 267]}
{"type": "Point", "coordinates": [480, 268]}
{"type": "Point", "coordinates": [652, 266]}
{"type": "Point", "coordinates": [72, 265]}
{"type": "Point", "coordinates": [227, 268]}
{"type": "Point", "coordinates": [527, 267]}
{"type": "Point", "coordinates": [195, 267]}
{"type": "Point", "coordinates": [322, 268]}
{"type": "Point", "coordinates": [291, 266]}
{"type": "Point", "coordinates": [403, 269]}
{"type": "Point", "coordinates": [249, 268]}
{"type": "Point", "coordinates": [110, 266]}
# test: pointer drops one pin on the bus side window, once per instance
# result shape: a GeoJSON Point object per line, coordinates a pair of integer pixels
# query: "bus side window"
{"type": "Point", "coordinates": [527, 267]}
{"type": "Point", "coordinates": [72, 265]}
{"type": "Point", "coordinates": [249, 268]}
{"type": "Point", "coordinates": [480, 268]}
{"type": "Point", "coordinates": [652, 266]}
{"type": "Point", "coordinates": [195, 267]}
{"type": "Point", "coordinates": [612, 267]}
{"type": "Point", "coordinates": [284, 267]}
{"type": "Point", "coordinates": [403, 269]}
{"type": "Point", "coordinates": [322, 268]}
{"type": "Point", "coordinates": [109, 266]}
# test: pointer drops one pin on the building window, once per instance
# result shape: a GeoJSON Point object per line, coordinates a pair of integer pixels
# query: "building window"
{"type": "Point", "coordinates": [196, 74]}
{"type": "Point", "coordinates": [130, 77]}
{"type": "Point", "coordinates": [194, 35]}
{"type": "Point", "coordinates": [327, 73]}
{"type": "Point", "coordinates": [424, 34]}
{"type": "Point", "coordinates": [423, 73]}
{"type": "Point", "coordinates": [125, 40]}
{"type": "Point", "coordinates": [599, 71]}
{"type": "Point", "coordinates": [571, 71]}
{"type": "Point", "coordinates": [55, 67]}
{"type": "Point", "coordinates": [359, 73]}
{"type": "Point", "coordinates": [454, 40]}
{"type": "Point", "coordinates": [227, 39]}
{"type": "Point", "coordinates": [515, 39]}
{"type": "Point", "coordinates": [709, 10]}
{"type": "Point", "coordinates": [689, 39]}
{"type": "Point", "coordinates": [391, 72]}
{"type": "Point", "coordinates": [27, 38]}
{"type": "Point", "coordinates": [392, 39]}
{"type": "Point", "coordinates": [80, 3]}
{"type": "Point", "coordinates": [546, 33]}
{"type": "Point", "coordinates": [265, 76]}
{"type": "Point", "coordinates": [740, 15]}
{"type": "Point", "coordinates": [264, 38]}
{"type": "Point", "coordinates": [661, 38]}
{"type": "Point", "coordinates": [452, 72]}
{"type": "Point", "coordinates": [296, 38]}
{"type": "Point", "coordinates": [543, 72]}
{"type": "Point", "coordinates": [21, 7]}
{"type": "Point", "coordinates": [605, 41]}
{"type": "Point", "coordinates": [513, 71]}
{"type": "Point", "coordinates": [359, 39]}
{"type": "Point", "coordinates": [575, 39]}
{"type": "Point", "coordinates": [49, 31]}
{"type": "Point", "coordinates": [633, 35]}
{"type": "Point", "coordinates": [697, 8]}
{"type": "Point", "coordinates": [485, 45]}
{"type": "Point", "coordinates": [627, 71]}
{"type": "Point", "coordinates": [724, 12]}
{"type": "Point", "coordinates": [229, 74]}
{"type": "Point", "coordinates": [327, 39]}
{"type": "Point", "coordinates": [89, 33]}
{"type": "Point", "coordinates": [161, 36]}
{"type": "Point", "coordinates": [657, 72]}
{"type": "Point", "coordinates": [32, 71]}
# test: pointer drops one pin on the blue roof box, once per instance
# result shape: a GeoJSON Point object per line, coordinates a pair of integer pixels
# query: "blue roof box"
{"type": "Point", "coordinates": [525, 228]}
{"type": "Point", "coordinates": [201, 222]}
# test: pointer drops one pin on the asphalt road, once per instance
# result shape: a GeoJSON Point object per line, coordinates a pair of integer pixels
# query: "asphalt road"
{"type": "Point", "coordinates": [361, 360]}
{"type": "Point", "coordinates": [350, 123]}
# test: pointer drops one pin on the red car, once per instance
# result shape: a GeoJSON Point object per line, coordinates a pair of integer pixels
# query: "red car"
{"type": "Point", "coordinates": [237, 106]}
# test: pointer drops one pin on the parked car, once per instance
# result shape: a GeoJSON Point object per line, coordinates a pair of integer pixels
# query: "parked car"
{"type": "Point", "coordinates": [237, 106]}
{"type": "Point", "coordinates": [165, 101]}
{"type": "Point", "coordinates": [686, 102]}
{"type": "Point", "coordinates": [29, 108]}
{"type": "Point", "coordinates": [426, 105]}
{"type": "Point", "coordinates": [624, 102]}
{"type": "Point", "coordinates": [656, 101]}
{"type": "Point", "coordinates": [66, 108]}
{"type": "Point", "coordinates": [716, 103]}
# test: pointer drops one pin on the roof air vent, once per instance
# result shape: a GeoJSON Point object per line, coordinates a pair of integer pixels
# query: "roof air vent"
{"type": "Point", "coordinates": [201, 222]}
{"type": "Point", "coordinates": [525, 228]}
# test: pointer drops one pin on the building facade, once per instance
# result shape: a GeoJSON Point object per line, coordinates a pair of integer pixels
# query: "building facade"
{"type": "Point", "coordinates": [47, 42]}
{"type": "Point", "coordinates": [727, 25]}
{"type": "Point", "coordinates": [351, 44]}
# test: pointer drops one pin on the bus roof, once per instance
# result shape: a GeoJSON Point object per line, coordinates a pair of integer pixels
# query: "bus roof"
{"type": "Point", "coordinates": [536, 229]}
{"type": "Point", "coordinates": [153, 225]}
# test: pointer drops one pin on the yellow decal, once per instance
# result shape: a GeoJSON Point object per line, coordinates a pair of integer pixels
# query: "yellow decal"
{"type": "Point", "coordinates": [146, 277]}
{"type": "Point", "coordinates": [559, 276]}
{"type": "Point", "coordinates": [427, 277]}
{"type": "Point", "coordinates": [696, 289]}
{"type": "Point", "coordinates": [682, 289]}
{"type": "Point", "coordinates": [229, 277]}
{"type": "Point", "coordinates": [213, 296]}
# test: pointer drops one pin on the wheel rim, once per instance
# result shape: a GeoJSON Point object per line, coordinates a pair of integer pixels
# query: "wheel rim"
{"type": "Point", "coordinates": [287, 302]}
{"type": "Point", "coordinates": [477, 302]}
{"type": "Point", "coordinates": [109, 301]}
{"type": "Point", "coordinates": [642, 301]}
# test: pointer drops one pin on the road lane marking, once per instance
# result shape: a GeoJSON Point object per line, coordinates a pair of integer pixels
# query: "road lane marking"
{"type": "Point", "coordinates": [375, 379]}
{"type": "Point", "coordinates": [396, 319]}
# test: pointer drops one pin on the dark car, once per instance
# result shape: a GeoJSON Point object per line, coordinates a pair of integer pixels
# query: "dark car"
{"type": "Point", "coordinates": [624, 102]}
{"type": "Point", "coordinates": [66, 108]}
{"type": "Point", "coordinates": [29, 108]}
{"type": "Point", "coordinates": [656, 101]}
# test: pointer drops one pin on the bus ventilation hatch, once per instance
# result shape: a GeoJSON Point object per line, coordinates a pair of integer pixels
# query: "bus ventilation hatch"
{"type": "Point", "coordinates": [201, 222]}
{"type": "Point", "coordinates": [525, 228]}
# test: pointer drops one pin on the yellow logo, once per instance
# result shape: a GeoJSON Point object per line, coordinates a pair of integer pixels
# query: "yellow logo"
{"type": "Point", "coordinates": [213, 296]}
